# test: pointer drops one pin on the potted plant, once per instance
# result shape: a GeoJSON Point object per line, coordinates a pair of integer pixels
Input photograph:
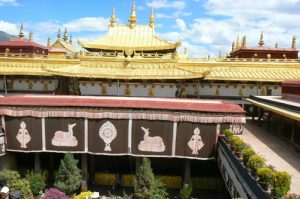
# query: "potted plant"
{"type": "Point", "coordinates": [239, 146]}
{"type": "Point", "coordinates": [265, 175]}
{"type": "Point", "coordinates": [254, 163]}
{"type": "Point", "coordinates": [247, 153]}
{"type": "Point", "coordinates": [54, 193]}
{"type": "Point", "coordinates": [233, 140]}
{"type": "Point", "coordinates": [281, 182]}
{"type": "Point", "coordinates": [228, 134]}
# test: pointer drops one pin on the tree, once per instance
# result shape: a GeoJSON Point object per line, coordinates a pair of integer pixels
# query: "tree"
{"type": "Point", "coordinates": [36, 181]}
{"type": "Point", "coordinates": [13, 180]}
{"type": "Point", "coordinates": [68, 178]}
{"type": "Point", "coordinates": [145, 184]}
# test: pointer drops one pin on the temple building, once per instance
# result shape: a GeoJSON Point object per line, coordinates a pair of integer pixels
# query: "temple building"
{"type": "Point", "coordinates": [113, 101]}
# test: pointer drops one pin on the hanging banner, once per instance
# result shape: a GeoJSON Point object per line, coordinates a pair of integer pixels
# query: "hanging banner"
{"type": "Point", "coordinates": [64, 134]}
{"type": "Point", "coordinates": [23, 133]}
{"type": "Point", "coordinates": [108, 136]}
{"type": "Point", "coordinates": [152, 137]}
{"type": "Point", "coordinates": [196, 140]}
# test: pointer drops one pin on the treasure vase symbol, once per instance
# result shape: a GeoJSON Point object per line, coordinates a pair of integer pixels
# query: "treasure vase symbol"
{"type": "Point", "coordinates": [108, 133]}
{"type": "Point", "coordinates": [23, 136]}
{"type": "Point", "coordinates": [195, 142]}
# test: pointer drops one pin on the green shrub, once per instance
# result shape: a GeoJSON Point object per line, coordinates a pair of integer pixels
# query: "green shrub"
{"type": "Point", "coordinates": [186, 192]}
{"type": "Point", "coordinates": [84, 195]}
{"type": "Point", "coordinates": [265, 174]}
{"type": "Point", "coordinates": [233, 140]}
{"type": "Point", "coordinates": [15, 183]}
{"type": "Point", "coordinates": [36, 181]}
{"type": "Point", "coordinates": [254, 163]}
{"type": "Point", "coordinates": [247, 153]}
{"type": "Point", "coordinates": [281, 183]}
{"type": "Point", "coordinates": [239, 145]}
{"type": "Point", "coordinates": [228, 134]}
{"type": "Point", "coordinates": [68, 178]}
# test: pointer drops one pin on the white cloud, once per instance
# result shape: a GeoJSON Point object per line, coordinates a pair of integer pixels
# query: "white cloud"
{"type": "Point", "coordinates": [8, 27]}
{"type": "Point", "coordinates": [180, 24]}
{"type": "Point", "coordinates": [8, 2]}
{"type": "Point", "coordinates": [178, 4]}
{"type": "Point", "coordinates": [173, 15]}
{"type": "Point", "coordinates": [88, 24]}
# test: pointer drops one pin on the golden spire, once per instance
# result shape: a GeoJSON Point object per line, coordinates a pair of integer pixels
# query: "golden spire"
{"type": "Point", "coordinates": [49, 42]}
{"type": "Point", "coordinates": [237, 44]}
{"type": "Point", "coordinates": [30, 36]}
{"type": "Point", "coordinates": [276, 45]}
{"type": "Point", "coordinates": [21, 33]}
{"type": "Point", "coordinates": [58, 34]}
{"type": "Point", "coordinates": [70, 41]}
{"type": "Point", "coordinates": [132, 18]}
{"type": "Point", "coordinates": [261, 40]}
{"type": "Point", "coordinates": [244, 42]}
{"type": "Point", "coordinates": [66, 35]}
{"type": "Point", "coordinates": [113, 19]}
{"type": "Point", "coordinates": [152, 19]}
{"type": "Point", "coordinates": [233, 46]}
{"type": "Point", "coordinates": [294, 42]}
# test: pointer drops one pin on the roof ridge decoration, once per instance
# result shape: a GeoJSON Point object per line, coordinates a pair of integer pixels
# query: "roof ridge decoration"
{"type": "Point", "coordinates": [152, 19]}
{"type": "Point", "coordinates": [21, 33]}
{"type": "Point", "coordinates": [261, 40]}
{"type": "Point", "coordinates": [132, 18]}
{"type": "Point", "coordinates": [294, 42]}
{"type": "Point", "coordinates": [113, 19]}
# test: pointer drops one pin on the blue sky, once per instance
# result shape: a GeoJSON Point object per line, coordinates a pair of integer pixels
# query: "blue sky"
{"type": "Point", "coordinates": [204, 26]}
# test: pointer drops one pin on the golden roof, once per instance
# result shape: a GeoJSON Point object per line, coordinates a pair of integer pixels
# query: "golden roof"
{"type": "Point", "coordinates": [60, 44]}
{"type": "Point", "coordinates": [122, 37]}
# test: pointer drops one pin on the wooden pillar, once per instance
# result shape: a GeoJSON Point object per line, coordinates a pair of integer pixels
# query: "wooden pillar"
{"type": "Point", "coordinates": [51, 173]}
{"type": "Point", "coordinates": [293, 131]}
{"type": "Point", "coordinates": [37, 162]}
{"type": "Point", "coordinates": [187, 172]}
{"type": "Point", "coordinates": [92, 169]}
{"type": "Point", "coordinates": [259, 116]}
{"type": "Point", "coordinates": [84, 171]}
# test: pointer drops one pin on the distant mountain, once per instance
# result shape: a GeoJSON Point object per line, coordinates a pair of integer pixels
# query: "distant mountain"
{"type": "Point", "coordinates": [6, 37]}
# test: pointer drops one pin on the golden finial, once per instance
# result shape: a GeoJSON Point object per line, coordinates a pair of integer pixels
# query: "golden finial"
{"type": "Point", "coordinates": [132, 18]}
{"type": "Point", "coordinates": [21, 33]}
{"type": "Point", "coordinates": [70, 41]}
{"type": "Point", "coordinates": [152, 19]}
{"type": "Point", "coordinates": [66, 35]}
{"type": "Point", "coordinates": [233, 46]}
{"type": "Point", "coordinates": [49, 42]}
{"type": "Point", "coordinates": [276, 45]}
{"type": "Point", "coordinates": [30, 36]}
{"type": "Point", "coordinates": [294, 42]}
{"type": "Point", "coordinates": [237, 44]}
{"type": "Point", "coordinates": [261, 40]}
{"type": "Point", "coordinates": [244, 42]}
{"type": "Point", "coordinates": [58, 34]}
{"type": "Point", "coordinates": [113, 19]}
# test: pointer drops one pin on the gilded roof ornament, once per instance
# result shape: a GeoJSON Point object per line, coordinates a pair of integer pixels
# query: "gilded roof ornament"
{"type": "Point", "coordinates": [30, 36]}
{"type": "Point", "coordinates": [113, 19]}
{"type": "Point", "coordinates": [152, 19]}
{"type": "Point", "coordinates": [58, 34]}
{"type": "Point", "coordinates": [244, 41]}
{"type": "Point", "coordinates": [70, 41]}
{"type": "Point", "coordinates": [21, 33]}
{"type": "Point", "coordinates": [261, 40]}
{"type": "Point", "coordinates": [66, 35]}
{"type": "Point", "coordinates": [237, 44]}
{"type": "Point", "coordinates": [132, 18]}
{"type": "Point", "coordinates": [276, 45]}
{"type": "Point", "coordinates": [233, 46]}
{"type": "Point", "coordinates": [49, 42]}
{"type": "Point", "coordinates": [294, 42]}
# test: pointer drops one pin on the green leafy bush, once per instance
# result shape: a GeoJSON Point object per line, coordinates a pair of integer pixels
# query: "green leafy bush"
{"type": "Point", "coordinates": [15, 183]}
{"type": "Point", "coordinates": [36, 181]}
{"type": "Point", "coordinates": [239, 145]}
{"type": "Point", "coordinates": [281, 183]}
{"type": "Point", "coordinates": [228, 133]}
{"type": "Point", "coordinates": [247, 153]}
{"type": "Point", "coordinates": [84, 195]}
{"type": "Point", "coordinates": [68, 178]}
{"type": "Point", "coordinates": [265, 174]}
{"type": "Point", "coordinates": [186, 192]}
{"type": "Point", "coordinates": [255, 162]}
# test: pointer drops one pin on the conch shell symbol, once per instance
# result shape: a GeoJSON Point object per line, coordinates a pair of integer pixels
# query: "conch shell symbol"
{"type": "Point", "coordinates": [23, 136]}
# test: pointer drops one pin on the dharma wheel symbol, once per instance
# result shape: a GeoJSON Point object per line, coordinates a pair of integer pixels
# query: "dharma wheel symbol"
{"type": "Point", "coordinates": [107, 133]}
